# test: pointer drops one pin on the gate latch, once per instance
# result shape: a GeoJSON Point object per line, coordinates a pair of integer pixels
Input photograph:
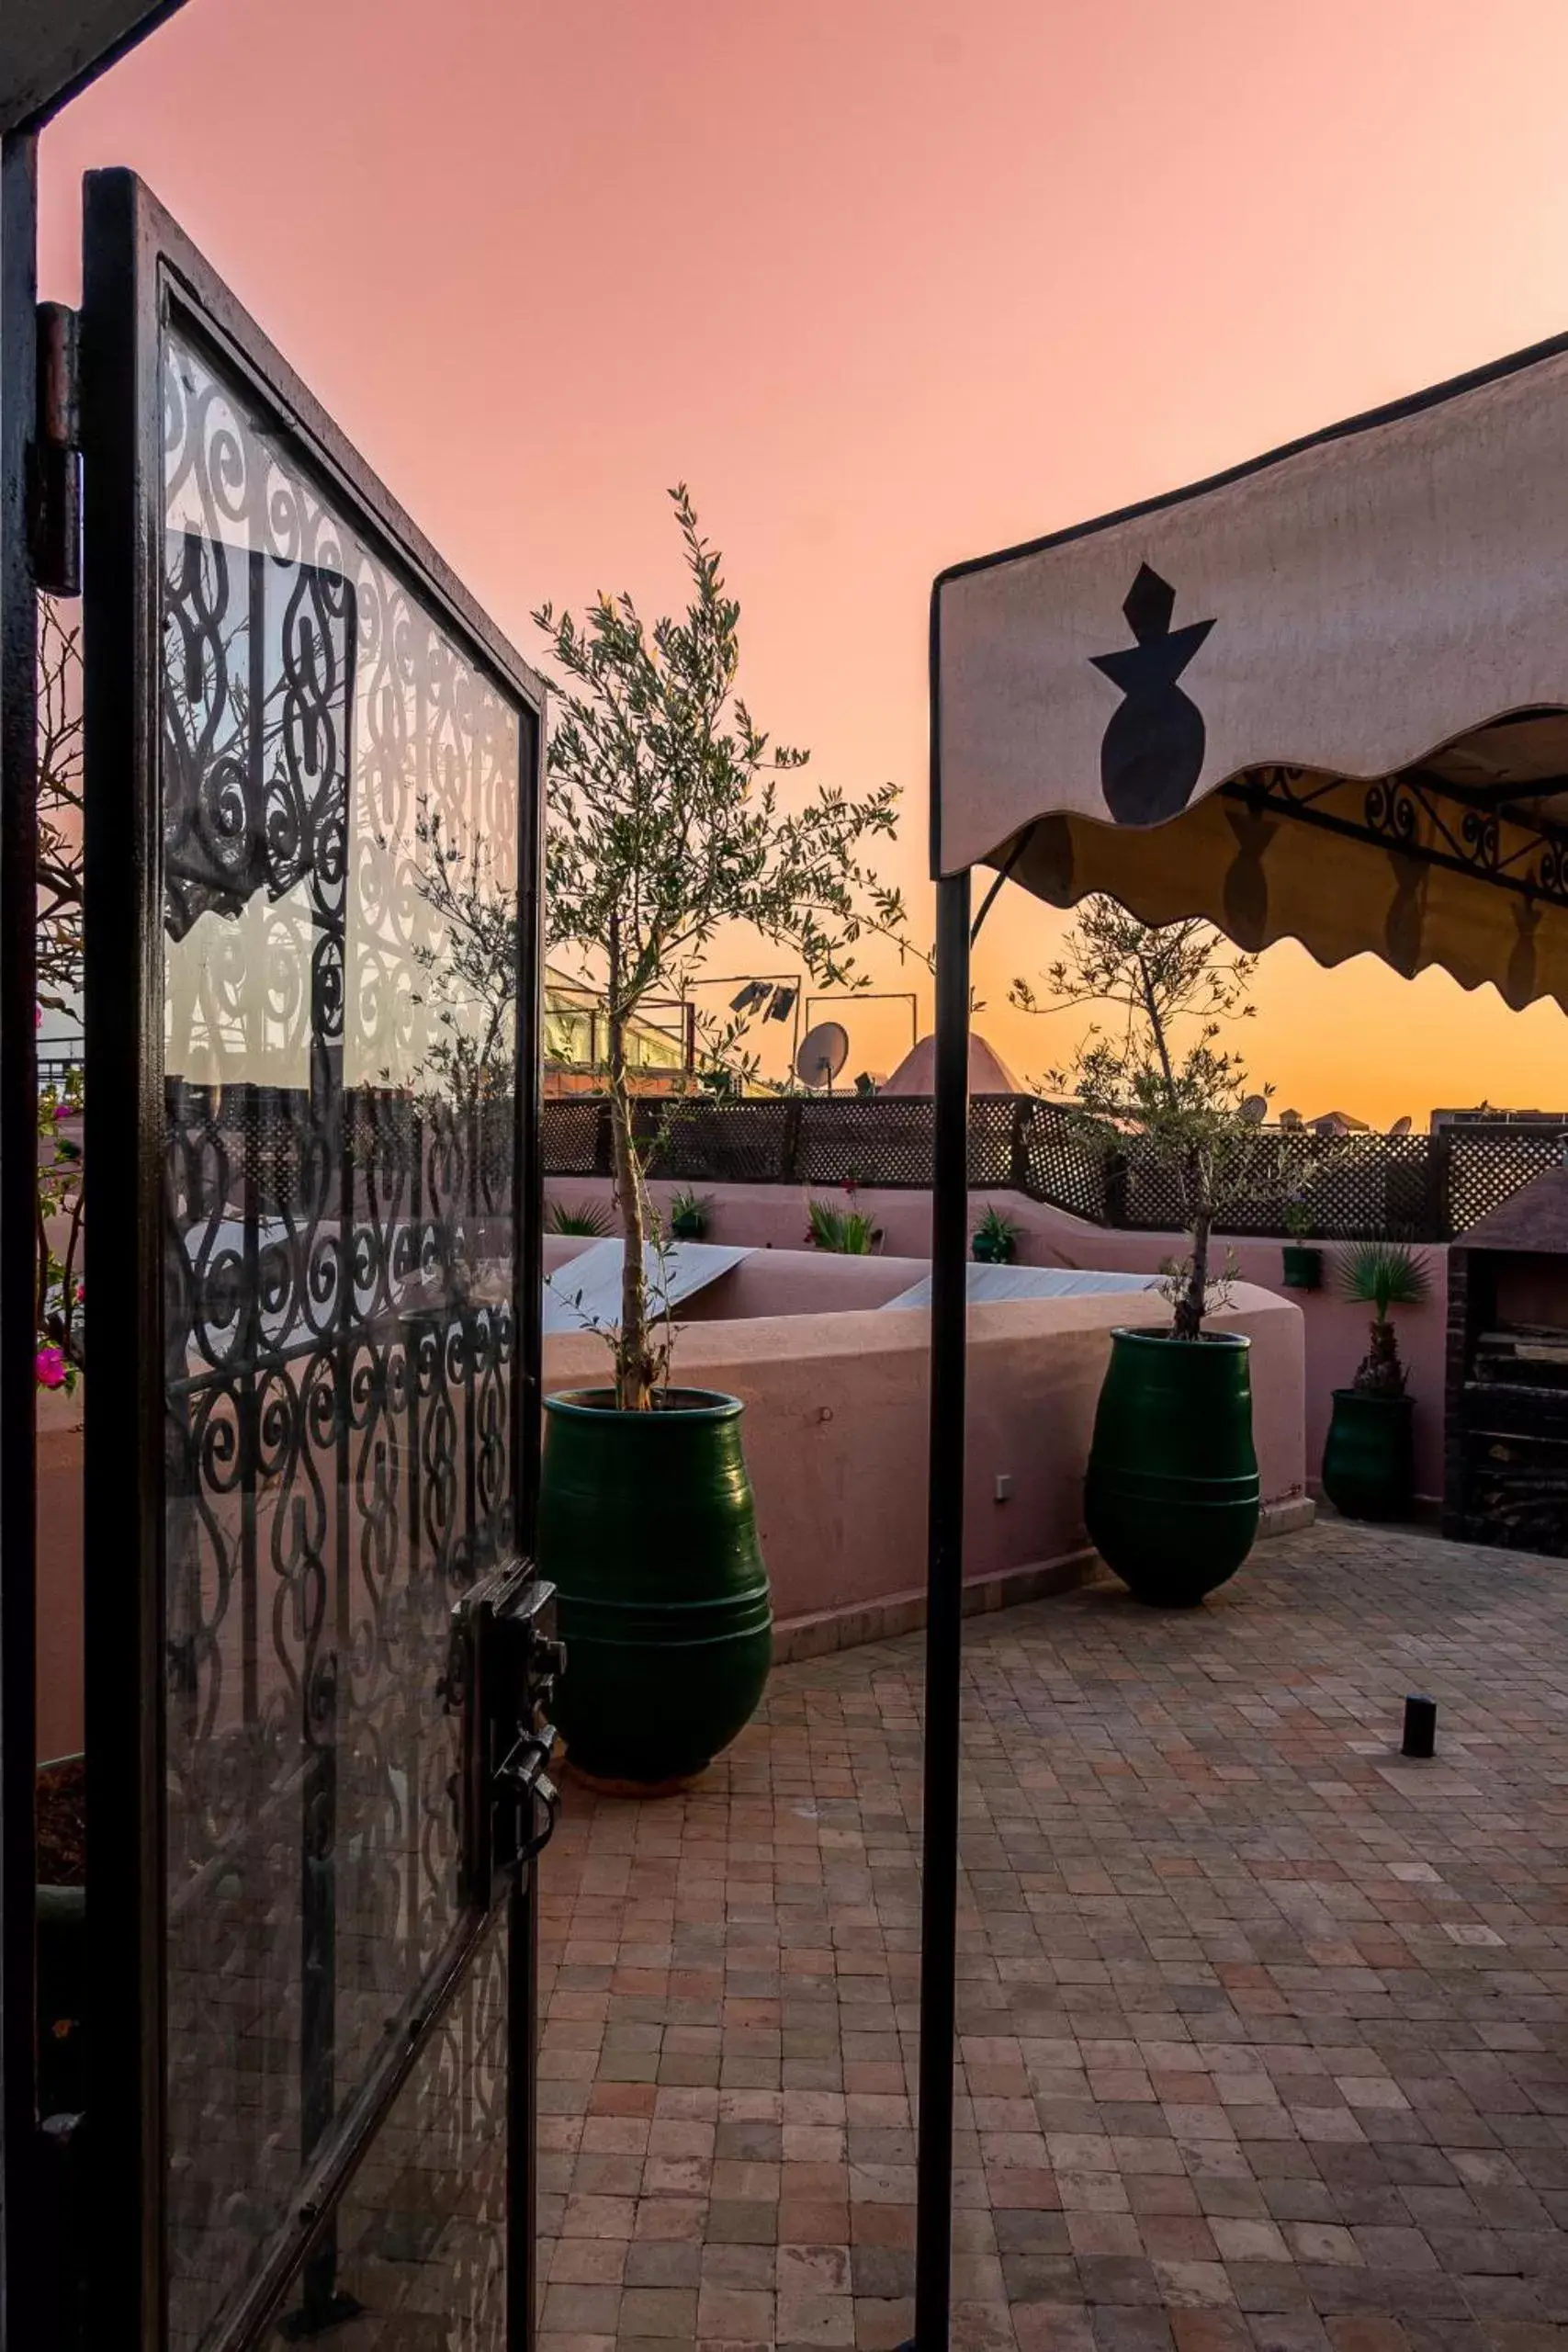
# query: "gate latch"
{"type": "Point", "coordinates": [501, 1678]}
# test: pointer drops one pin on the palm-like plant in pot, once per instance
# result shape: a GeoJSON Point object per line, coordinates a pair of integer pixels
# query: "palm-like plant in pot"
{"type": "Point", "coordinates": [666, 821]}
{"type": "Point", "coordinates": [1368, 1460]}
{"type": "Point", "coordinates": [1171, 1497]}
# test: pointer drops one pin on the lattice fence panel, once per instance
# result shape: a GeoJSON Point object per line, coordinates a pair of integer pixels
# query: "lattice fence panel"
{"type": "Point", "coordinates": [1487, 1165]}
{"type": "Point", "coordinates": [875, 1142]}
{"type": "Point", "coordinates": [720, 1143]}
{"type": "Point", "coordinates": [571, 1126]}
{"type": "Point", "coordinates": [994, 1122]}
{"type": "Point", "coordinates": [1058, 1163]}
{"type": "Point", "coordinates": [1343, 1187]}
{"type": "Point", "coordinates": [1356, 1187]}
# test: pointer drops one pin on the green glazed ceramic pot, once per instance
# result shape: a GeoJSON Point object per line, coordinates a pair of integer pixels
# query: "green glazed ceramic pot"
{"type": "Point", "coordinates": [1172, 1496]}
{"type": "Point", "coordinates": [1369, 1463]}
{"type": "Point", "coordinates": [1301, 1267]}
{"type": "Point", "coordinates": [646, 1529]}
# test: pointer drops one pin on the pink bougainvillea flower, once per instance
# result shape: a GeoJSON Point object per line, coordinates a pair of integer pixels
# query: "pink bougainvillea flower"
{"type": "Point", "coordinates": [49, 1365]}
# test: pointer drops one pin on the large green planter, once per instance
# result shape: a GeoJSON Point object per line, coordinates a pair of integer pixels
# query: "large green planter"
{"type": "Point", "coordinates": [647, 1532]}
{"type": "Point", "coordinates": [1172, 1495]}
{"type": "Point", "coordinates": [1369, 1463]}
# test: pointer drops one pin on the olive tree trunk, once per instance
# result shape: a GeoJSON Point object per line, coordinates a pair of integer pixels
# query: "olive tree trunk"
{"type": "Point", "coordinates": [1190, 1306]}
{"type": "Point", "coordinates": [634, 1365]}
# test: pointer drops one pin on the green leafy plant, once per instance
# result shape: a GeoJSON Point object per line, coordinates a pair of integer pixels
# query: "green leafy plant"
{"type": "Point", "coordinates": [1158, 1087]}
{"type": "Point", "coordinates": [689, 1215]}
{"type": "Point", "coordinates": [585, 1216]}
{"type": "Point", "coordinates": [666, 822]}
{"type": "Point", "coordinates": [847, 1232]}
{"type": "Point", "coordinates": [1300, 1223]}
{"type": "Point", "coordinates": [1383, 1274]}
{"type": "Point", "coordinates": [995, 1239]}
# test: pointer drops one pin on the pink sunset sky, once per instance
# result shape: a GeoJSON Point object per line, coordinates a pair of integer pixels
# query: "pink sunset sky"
{"type": "Point", "coordinates": [889, 283]}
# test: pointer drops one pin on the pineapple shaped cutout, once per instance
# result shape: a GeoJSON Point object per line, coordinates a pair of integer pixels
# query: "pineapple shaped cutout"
{"type": "Point", "coordinates": [1153, 753]}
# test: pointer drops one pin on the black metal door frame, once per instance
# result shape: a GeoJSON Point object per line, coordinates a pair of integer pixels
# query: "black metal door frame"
{"type": "Point", "coordinates": [22, 2288]}
{"type": "Point", "coordinates": [140, 272]}
{"type": "Point", "coordinates": [48, 54]}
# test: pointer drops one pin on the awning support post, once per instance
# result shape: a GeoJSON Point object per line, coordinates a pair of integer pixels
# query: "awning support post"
{"type": "Point", "coordinates": [944, 1595]}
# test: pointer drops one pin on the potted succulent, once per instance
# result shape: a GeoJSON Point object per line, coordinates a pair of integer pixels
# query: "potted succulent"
{"type": "Point", "coordinates": [1172, 1496]}
{"type": "Point", "coordinates": [846, 1232]}
{"type": "Point", "coordinates": [995, 1239]}
{"type": "Point", "coordinates": [689, 1217]}
{"type": "Point", "coordinates": [663, 826]}
{"type": "Point", "coordinates": [1368, 1469]}
{"type": "Point", "coordinates": [581, 1216]}
{"type": "Point", "coordinates": [1301, 1267]}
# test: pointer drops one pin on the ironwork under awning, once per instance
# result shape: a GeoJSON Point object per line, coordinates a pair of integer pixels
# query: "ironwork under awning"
{"type": "Point", "coordinates": [1321, 696]}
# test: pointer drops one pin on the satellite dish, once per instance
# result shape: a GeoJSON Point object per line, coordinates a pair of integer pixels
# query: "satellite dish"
{"type": "Point", "coordinates": [823, 1053]}
{"type": "Point", "coordinates": [1255, 1109]}
{"type": "Point", "coordinates": [1401, 1126]}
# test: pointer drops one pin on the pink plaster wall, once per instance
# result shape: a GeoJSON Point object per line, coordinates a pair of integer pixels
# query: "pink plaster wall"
{"type": "Point", "coordinates": [773, 1216]}
{"type": "Point", "coordinates": [58, 1521]}
{"type": "Point", "coordinates": [836, 1432]}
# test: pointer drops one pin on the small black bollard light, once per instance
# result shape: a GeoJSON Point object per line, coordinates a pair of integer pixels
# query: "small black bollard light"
{"type": "Point", "coordinates": [1420, 1726]}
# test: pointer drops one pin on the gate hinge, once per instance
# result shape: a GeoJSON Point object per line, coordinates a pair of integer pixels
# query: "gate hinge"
{"type": "Point", "coordinates": [54, 486]}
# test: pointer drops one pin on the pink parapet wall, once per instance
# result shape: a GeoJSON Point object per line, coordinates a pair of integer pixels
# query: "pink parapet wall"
{"type": "Point", "coordinates": [773, 1216]}
{"type": "Point", "coordinates": [59, 1676]}
{"type": "Point", "coordinates": [836, 1430]}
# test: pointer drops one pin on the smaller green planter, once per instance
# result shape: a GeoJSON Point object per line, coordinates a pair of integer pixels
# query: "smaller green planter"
{"type": "Point", "coordinates": [990, 1252]}
{"type": "Point", "coordinates": [689, 1225]}
{"type": "Point", "coordinates": [1172, 1497]}
{"type": "Point", "coordinates": [1369, 1463]}
{"type": "Point", "coordinates": [1301, 1268]}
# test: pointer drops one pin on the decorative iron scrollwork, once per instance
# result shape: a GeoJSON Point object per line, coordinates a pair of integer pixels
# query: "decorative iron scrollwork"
{"type": "Point", "coordinates": [1420, 816]}
{"type": "Point", "coordinates": [339, 1338]}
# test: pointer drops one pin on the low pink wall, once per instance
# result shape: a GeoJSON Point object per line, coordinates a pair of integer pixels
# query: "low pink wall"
{"type": "Point", "coordinates": [773, 1216]}
{"type": "Point", "coordinates": [836, 1432]}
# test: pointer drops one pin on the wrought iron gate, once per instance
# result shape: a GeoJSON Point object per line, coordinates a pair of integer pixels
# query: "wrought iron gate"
{"type": "Point", "coordinates": [317, 1655]}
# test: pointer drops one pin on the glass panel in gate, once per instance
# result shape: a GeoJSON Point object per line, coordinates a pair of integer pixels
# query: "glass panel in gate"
{"type": "Point", "coordinates": [340, 796]}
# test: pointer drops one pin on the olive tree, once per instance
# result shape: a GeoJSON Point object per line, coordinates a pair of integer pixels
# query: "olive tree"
{"type": "Point", "coordinates": [1157, 1073]}
{"type": "Point", "coordinates": [665, 821]}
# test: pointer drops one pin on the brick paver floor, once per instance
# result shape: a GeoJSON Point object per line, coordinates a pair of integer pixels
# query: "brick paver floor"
{"type": "Point", "coordinates": [1261, 2041]}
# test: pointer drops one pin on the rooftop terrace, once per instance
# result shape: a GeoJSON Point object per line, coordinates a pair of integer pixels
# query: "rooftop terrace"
{"type": "Point", "coordinates": [1261, 2038]}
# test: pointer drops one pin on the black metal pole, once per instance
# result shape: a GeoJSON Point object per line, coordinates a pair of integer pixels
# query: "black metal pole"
{"type": "Point", "coordinates": [21, 2318]}
{"type": "Point", "coordinates": [944, 1616]}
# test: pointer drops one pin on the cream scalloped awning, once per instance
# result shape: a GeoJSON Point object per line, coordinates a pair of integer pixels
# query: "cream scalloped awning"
{"type": "Point", "coordinates": [1323, 696]}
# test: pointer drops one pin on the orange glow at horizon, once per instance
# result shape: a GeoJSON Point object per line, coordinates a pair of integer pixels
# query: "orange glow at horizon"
{"type": "Point", "coordinates": [889, 283]}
